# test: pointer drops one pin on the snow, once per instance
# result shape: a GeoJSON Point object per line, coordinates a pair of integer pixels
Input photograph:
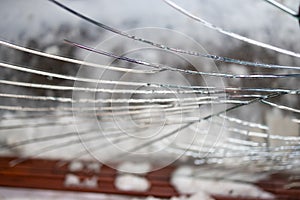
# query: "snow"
{"type": "Point", "coordinates": [200, 195]}
{"type": "Point", "coordinates": [94, 167]}
{"type": "Point", "coordinates": [72, 180]}
{"type": "Point", "coordinates": [91, 182]}
{"type": "Point", "coordinates": [78, 165]}
{"type": "Point", "coordinates": [75, 166]}
{"type": "Point", "coordinates": [135, 167]}
{"type": "Point", "coordinates": [186, 181]}
{"type": "Point", "coordinates": [34, 194]}
{"type": "Point", "coordinates": [280, 125]}
{"type": "Point", "coordinates": [130, 182]}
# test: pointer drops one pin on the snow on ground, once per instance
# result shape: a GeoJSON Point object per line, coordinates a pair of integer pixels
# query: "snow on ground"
{"type": "Point", "coordinates": [33, 194]}
{"type": "Point", "coordinates": [130, 182]}
{"type": "Point", "coordinates": [187, 182]}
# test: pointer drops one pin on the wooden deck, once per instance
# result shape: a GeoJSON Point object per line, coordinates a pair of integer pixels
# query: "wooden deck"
{"type": "Point", "coordinates": [47, 174]}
